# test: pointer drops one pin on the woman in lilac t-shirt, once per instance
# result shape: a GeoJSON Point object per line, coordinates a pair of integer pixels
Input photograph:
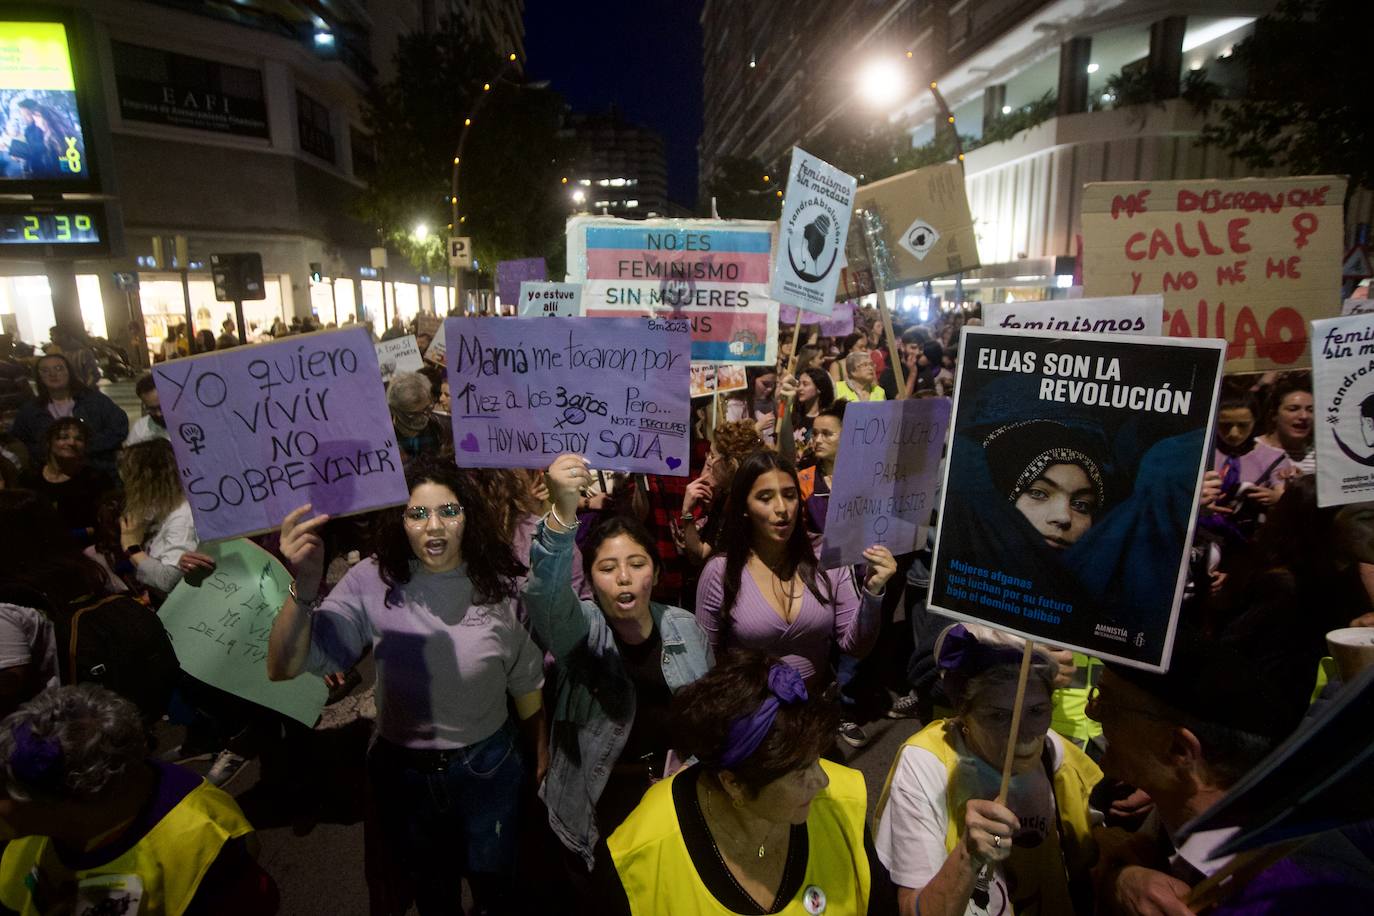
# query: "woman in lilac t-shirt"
{"type": "Point", "coordinates": [763, 590]}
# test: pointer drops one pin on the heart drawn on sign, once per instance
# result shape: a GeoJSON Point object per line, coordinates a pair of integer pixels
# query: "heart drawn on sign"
{"type": "Point", "coordinates": [673, 463]}
{"type": "Point", "coordinates": [469, 443]}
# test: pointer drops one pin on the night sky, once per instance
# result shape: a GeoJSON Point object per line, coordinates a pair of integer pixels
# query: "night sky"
{"type": "Point", "coordinates": [642, 56]}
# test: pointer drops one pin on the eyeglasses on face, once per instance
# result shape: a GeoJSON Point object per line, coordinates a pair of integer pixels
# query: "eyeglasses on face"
{"type": "Point", "coordinates": [448, 512]}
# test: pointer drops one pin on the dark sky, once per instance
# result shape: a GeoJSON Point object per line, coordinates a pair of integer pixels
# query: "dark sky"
{"type": "Point", "coordinates": [643, 55]}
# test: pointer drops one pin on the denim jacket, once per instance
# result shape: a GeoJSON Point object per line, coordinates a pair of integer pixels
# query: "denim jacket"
{"type": "Point", "coordinates": [594, 698]}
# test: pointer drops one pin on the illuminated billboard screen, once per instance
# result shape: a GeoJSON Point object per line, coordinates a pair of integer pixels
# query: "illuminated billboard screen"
{"type": "Point", "coordinates": [41, 134]}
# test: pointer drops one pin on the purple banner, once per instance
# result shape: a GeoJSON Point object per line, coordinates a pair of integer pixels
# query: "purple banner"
{"type": "Point", "coordinates": [261, 430]}
{"type": "Point", "coordinates": [886, 475]}
{"type": "Point", "coordinates": [839, 324]}
{"type": "Point", "coordinates": [612, 389]}
{"type": "Point", "coordinates": [510, 274]}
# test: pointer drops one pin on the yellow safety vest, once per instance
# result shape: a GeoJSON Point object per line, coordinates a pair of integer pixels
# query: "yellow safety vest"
{"type": "Point", "coordinates": [168, 863]}
{"type": "Point", "coordinates": [1070, 717]}
{"type": "Point", "coordinates": [1037, 879]}
{"type": "Point", "coordinates": [656, 870]}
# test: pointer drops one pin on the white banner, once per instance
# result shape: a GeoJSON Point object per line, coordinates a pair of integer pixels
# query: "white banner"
{"type": "Point", "coordinates": [1139, 315]}
{"type": "Point", "coordinates": [400, 354]}
{"type": "Point", "coordinates": [550, 300]}
{"type": "Point", "coordinates": [815, 224]}
{"type": "Point", "coordinates": [1343, 389]}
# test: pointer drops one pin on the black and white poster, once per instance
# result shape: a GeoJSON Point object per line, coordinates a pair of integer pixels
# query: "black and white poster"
{"type": "Point", "coordinates": [1343, 388]}
{"type": "Point", "coordinates": [814, 226]}
{"type": "Point", "coordinates": [1071, 488]}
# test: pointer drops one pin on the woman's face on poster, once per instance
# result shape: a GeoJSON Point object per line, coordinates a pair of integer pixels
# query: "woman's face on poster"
{"type": "Point", "coordinates": [1295, 415]}
{"type": "Point", "coordinates": [1060, 504]}
{"type": "Point", "coordinates": [1235, 425]}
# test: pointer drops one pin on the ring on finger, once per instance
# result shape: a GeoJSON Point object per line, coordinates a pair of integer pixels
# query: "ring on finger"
{"type": "Point", "coordinates": [996, 841]}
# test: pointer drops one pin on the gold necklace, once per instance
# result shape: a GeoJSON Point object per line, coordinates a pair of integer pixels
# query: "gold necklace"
{"type": "Point", "coordinates": [763, 850]}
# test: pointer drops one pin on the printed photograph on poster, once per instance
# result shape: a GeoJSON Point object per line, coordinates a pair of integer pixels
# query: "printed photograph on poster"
{"type": "Point", "coordinates": [400, 354]}
{"type": "Point", "coordinates": [1071, 487]}
{"type": "Point", "coordinates": [1140, 315]}
{"type": "Point", "coordinates": [1343, 389]}
{"type": "Point", "coordinates": [814, 225]}
{"type": "Point", "coordinates": [708, 379]}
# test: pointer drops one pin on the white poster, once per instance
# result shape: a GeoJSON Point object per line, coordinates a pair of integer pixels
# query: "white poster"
{"type": "Point", "coordinates": [1139, 315]}
{"type": "Point", "coordinates": [550, 300]}
{"type": "Point", "coordinates": [814, 226]}
{"type": "Point", "coordinates": [1343, 388]}
{"type": "Point", "coordinates": [400, 354]}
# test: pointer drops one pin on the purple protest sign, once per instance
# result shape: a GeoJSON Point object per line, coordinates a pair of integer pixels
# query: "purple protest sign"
{"type": "Point", "coordinates": [260, 430]}
{"type": "Point", "coordinates": [510, 274]}
{"type": "Point", "coordinates": [886, 475]}
{"type": "Point", "coordinates": [612, 389]}
{"type": "Point", "coordinates": [839, 324]}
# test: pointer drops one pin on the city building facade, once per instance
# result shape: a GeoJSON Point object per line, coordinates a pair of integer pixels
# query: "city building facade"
{"type": "Point", "coordinates": [615, 167]}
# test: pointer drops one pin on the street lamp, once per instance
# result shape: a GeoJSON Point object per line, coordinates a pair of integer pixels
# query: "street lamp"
{"type": "Point", "coordinates": [882, 82]}
{"type": "Point", "coordinates": [579, 197]}
{"type": "Point", "coordinates": [421, 232]}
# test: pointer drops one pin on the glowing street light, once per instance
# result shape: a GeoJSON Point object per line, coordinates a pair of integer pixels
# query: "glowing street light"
{"type": "Point", "coordinates": [882, 83]}
{"type": "Point", "coordinates": [579, 196]}
{"type": "Point", "coordinates": [421, 232]}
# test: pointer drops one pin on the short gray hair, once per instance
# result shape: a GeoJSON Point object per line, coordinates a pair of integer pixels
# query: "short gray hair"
{"type": "Point", "coordinates": [99, 733]}
{"type": "Point", "coordinates": [854, 358]}
{"type": "Point", "coordinates": [406, 389]}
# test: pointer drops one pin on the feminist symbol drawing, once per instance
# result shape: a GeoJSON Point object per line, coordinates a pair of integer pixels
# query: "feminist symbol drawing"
{"type": "Point", "coordinates": [193, 436]}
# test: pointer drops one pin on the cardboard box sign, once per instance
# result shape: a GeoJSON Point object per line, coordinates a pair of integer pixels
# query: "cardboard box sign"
{"type": "Point", "coordinates": [918, 226]}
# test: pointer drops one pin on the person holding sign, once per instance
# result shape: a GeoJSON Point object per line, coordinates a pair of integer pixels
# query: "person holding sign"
{"type": "Point", "coordinates": [619, 658]}
{"type": "Point", "coordinates": [950, 847]}
{"type": "Point", "coordinates": [760, 824]}
{"type": "Point", "coordinates": [437, 606]}
{"type": "Point", "coordinates": [763, 590]}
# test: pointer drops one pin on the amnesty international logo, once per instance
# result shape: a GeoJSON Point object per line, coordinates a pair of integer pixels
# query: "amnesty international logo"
{"type": "Point", "coordinates": [813, 239]}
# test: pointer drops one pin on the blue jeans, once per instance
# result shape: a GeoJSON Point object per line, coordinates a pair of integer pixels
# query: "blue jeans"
{"type": "Point", "coordinates": [449, 814]}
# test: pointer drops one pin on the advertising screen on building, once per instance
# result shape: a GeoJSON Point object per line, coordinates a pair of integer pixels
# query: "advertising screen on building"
{"type": "Point", "coordinates": [41, 134]}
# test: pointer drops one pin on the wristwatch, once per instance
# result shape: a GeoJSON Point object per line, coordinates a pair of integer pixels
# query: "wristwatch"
{"type": "Point", "coordinates": [133, 549]}
{"type": "Point", "coordinates": [688, 516]}
{"type": "Point", "coordinates": [301, 602]}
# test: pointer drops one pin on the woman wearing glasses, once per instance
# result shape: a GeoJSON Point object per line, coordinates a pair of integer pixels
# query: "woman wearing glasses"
{"type": "Point", "coordinates": [436, 604]}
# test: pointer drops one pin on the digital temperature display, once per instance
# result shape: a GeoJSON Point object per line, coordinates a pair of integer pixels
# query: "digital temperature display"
{"type": "Point", "coordinates": [71, 227]}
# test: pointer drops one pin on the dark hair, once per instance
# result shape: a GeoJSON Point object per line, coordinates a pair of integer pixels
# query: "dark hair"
{"type": "Point", "coordinates": [835, 411]}
{"type": "Point", "coordinates": [1237, 397]}
{"type": "Point", "coordinates": [849, 342]}
{"type": "Point", "coordinates": [825, 387]}
{"type": "Point", "coordinates": [45, 559]}
{"type": "Point", "coordinates": [702, 712]}
{"type": "Point", "coordinates": [736, 537]}
{"type": "Point", "coordinates": [1289, 384]}
{"type": "Point", "coordinates": [436, 377]}
{"type": "Point", "coordinates": [144, 384]}
{"type": "Point", "coordinates": [61, 425]}
{"type": "Point", "coordinates": [74, 383]}
{"type": "Point", "coordinates": [486, 549]}
{"type": "Point", "coordinates": [614, 526]}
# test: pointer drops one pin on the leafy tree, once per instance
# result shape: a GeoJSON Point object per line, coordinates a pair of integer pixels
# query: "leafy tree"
{"type": "Point", "coordinates": [1307, 109]}
{"type": "Point", "coordinates": [510, 196]}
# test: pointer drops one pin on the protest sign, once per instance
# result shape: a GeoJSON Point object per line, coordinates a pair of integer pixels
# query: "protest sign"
{"type": "Point", "coordinates": [886, 474]}
{"type": "Point", "coordinates": [1343, 389]}
{"type": "Point", "coordinates": [917, 224]}
{"type": "Point", "coordinates": [715, 273]}
{"type": "Point", "coordinates": [1108, 315]}
{"type": "Point", "coordinates": [814, 225]}
{"type": "Point", "coordinates": [612, 389]}
{"type": "Point", "coordinates": [220, 627]}
{"type": "Point", "coordinates": [260, 430]}
{"type": "Point", "coordinates": [1071, 488]}
{"type": "Point", "coordinates": [1357, 306]}
{"type": "Point", "coordinates": [400, 354]}
{"type": "Point", "coordinates": [550, 300]}
{"type": "Point", "coordinates": [1250, 261]}
{"type": "Point", "coordinates": [839, 324]}
{"type": "Point", "coordinates": [717, 379]}
{"type": "Point", "coordinates": [510, 274]}
{"type": "Point", "coordinates": [438, 346]}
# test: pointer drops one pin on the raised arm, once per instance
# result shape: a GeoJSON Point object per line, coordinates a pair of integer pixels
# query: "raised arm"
{"type": "Point", "coordinates": [288, 646]}
{"type": "Point", "coordinates": [554, 607]}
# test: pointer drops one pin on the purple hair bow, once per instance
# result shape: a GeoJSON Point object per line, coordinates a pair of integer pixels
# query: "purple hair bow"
{"type": "Point", "coordinates": [785, 686]}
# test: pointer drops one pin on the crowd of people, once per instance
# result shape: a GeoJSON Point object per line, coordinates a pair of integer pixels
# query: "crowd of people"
{"type": "Point", "coordinates": [627, 693]}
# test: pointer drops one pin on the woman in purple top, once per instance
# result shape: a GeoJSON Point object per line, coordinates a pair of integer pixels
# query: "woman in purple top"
{"type": "Point", "coordinates": [762, 590]}
{"type": "Point", "coordinates": [437, 606]}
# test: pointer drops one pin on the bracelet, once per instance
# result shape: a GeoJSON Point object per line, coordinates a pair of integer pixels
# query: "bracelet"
{"type": "Point", "coordinates": [553, 511]}
{"type": "Point", "coordinates": [296, 597]}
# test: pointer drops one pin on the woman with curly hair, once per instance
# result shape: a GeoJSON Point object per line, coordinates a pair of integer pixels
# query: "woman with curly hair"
{"type": "Point", "coordinates": [437, 605]}
{"type": "Point", "coordinates": [156, 529]}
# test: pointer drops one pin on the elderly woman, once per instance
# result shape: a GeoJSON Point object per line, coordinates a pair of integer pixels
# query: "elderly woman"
{"type": "Point", "coordinates": [99, 828]}
{"type": "Point", "coordinates": [950, 846]}
{"type": "Point", "coordinates": [861, 379]}
{"type": "Point", "coordinates": [411, 399]}
{"type": "Point", "coordinates": [62, 394]}
{"type": "Point", "coordinates": [761, 824]}
{"type": "Point", "coordinates": [619, 659]}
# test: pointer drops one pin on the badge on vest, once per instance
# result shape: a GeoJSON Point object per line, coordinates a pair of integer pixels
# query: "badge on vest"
{"type": "Point", "coordinates": [813, 900]}
{"type": "Point", "coordinates": [109, 895]}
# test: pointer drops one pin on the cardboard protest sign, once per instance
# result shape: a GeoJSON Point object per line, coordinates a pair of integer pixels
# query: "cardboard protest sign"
{"type": "Point", "coordinates": [1071, 488]}
{"type": "Point", "coordinates": [1343, 391]}
{"type": "Point", "coordinates": [510, 274]}
{"type": "Point", "coordinates": [550, 300]}
{"type": "Point", "coordinates": [886, 474]}
{"type": "Point", "coordinates": [839, 324]}
{"type": "Point", "coordinates": [612, 389]}
{"type": "Point", "coordinates": [918, 226]}
{"type": "Point", "coordinates": [715, 273]}
{"type": "Point", "coordinates": [1250, 261]}
{"type": "Point", "coordinates": [261, 430]}
{"type": "Point", "coordinates": [814, 225]}
{"type": "Point", "coordinates": [707, 379]}
{"type": "Point", "coordinates": [220, 627]}
{"type": "Point", "coordinates": [1108, 315]}
{"type": "Point", "coordinates": [438, 346]}
{"type": "Point", "coordinates": [400, 354]}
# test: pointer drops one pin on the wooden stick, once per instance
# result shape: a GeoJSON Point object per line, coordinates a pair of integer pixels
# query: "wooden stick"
{"type": "Point", "coordinates": [892, 351]}
{"type": "Point", "coordinates": [1010, 757]}
{"type": "Point", "coordinates": [796, 336]}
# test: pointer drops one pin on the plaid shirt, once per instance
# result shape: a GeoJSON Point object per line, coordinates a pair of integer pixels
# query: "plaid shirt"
{"type": "Point", "coordinates": [665, 507]}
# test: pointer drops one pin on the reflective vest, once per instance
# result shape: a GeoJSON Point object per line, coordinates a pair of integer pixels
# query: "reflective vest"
{"type": "Point", "coordinates": [1037, 877]}
{"type": "Point", "coordinates": [1071, 702]}
{"type": "Point", "coordinates": [161, 872]}
{"type": "Point", "coordinates": [657, 873]}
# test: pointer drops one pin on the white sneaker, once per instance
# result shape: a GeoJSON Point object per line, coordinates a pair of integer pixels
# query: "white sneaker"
{"type": "Point", "coordinates": [226, 766]}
